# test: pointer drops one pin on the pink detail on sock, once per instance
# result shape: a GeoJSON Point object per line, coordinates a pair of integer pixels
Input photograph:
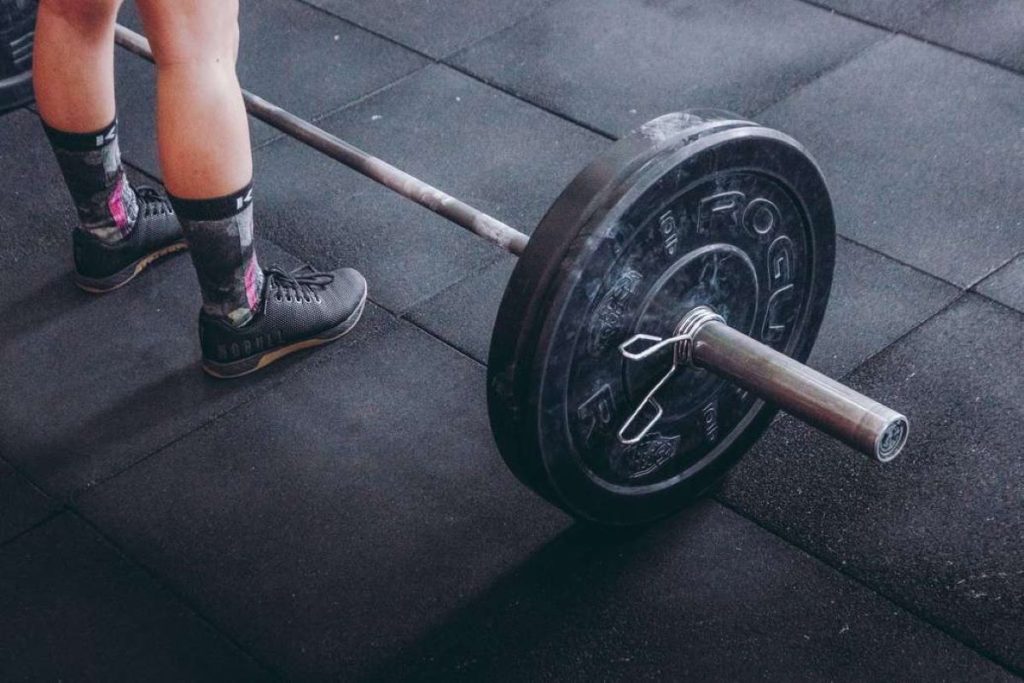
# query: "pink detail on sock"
{"type": "Point", "coordinates": [251, 294]}
{"type": "Point", "coordinates": [116, 205]}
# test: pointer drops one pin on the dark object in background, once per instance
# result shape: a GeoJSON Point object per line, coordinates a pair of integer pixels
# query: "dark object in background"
{"type": "Point", "coordinates": [17, 27]}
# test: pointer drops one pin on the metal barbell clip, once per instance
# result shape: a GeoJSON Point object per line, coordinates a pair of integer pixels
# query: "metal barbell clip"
{"type": "Point", "coordinates": [682, 340]}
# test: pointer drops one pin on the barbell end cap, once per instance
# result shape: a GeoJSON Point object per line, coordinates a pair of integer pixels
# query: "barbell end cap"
{"type": "Point", "coordinates": [892, 439]}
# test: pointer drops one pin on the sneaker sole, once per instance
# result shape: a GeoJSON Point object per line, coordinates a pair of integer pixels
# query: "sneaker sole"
{"type": "Point", "coordinates": [126, 275]}
{"type": "Point", "coordinates": [253, 364]}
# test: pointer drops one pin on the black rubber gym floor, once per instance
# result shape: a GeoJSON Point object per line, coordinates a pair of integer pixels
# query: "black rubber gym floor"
{"type": "Point", "coordinates": [346, 516]}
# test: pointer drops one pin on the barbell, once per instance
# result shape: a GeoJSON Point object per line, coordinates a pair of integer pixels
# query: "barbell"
{"type": "Point", "coordinates": [659, 316]}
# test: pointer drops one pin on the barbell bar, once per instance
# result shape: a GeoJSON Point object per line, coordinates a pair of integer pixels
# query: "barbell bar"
{"type": "Point", "coordinates": [410, 187]}
{"type": "Point", "coordinates": [585, 413]}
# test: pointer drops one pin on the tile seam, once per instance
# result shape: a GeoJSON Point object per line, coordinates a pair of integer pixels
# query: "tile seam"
{"type": "Point", "coordinates": [175, 594]}
{"type": "Point", "coordinates": [906, 607]}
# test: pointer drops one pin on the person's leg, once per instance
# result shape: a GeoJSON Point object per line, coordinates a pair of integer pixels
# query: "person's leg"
{"type": "Point", "coordinates": [73, 63]}
{"type": "Point", "coordinates": [205, 156]}
{"type": "Point", "coordinates": [73, 73]}
{"type": "Point", "coordinates": [120, 231]}
{"type": "Point", "coordinates": [202, 127]}
{"type": "Point", "coordinates": [249, 318]}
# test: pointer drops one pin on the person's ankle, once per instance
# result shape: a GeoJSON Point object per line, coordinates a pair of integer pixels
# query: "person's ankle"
{"type": "Point", "coordinates": [91, 165]}
{"type": "Point", "coordinates": [220, 235]}
{"type": "Point", "coordinates": [123, 205]}
{"type": "Point", "coordinates": [239, 309]}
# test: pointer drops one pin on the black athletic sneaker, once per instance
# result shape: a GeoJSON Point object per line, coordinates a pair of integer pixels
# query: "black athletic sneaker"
{"type": "Point", "coordinates": [101, 267]}
{"type": "Point", "coordinates": [299, 310]}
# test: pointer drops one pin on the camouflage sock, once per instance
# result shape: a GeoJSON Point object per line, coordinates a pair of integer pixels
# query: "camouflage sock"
{"type": "Point", "coordinates": [220, 236]}
{"type": "Point", "coordinates": [91, 165]}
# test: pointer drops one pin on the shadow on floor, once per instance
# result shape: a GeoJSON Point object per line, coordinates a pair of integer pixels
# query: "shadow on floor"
{"type": "Point", "coordinates": [563, 588]}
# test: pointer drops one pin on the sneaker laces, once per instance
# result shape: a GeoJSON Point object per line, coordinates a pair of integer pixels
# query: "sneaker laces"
{"type": "Point", "coordinates": [153, 202]}
{"type": "Point", "coordinates": [302, 281]}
